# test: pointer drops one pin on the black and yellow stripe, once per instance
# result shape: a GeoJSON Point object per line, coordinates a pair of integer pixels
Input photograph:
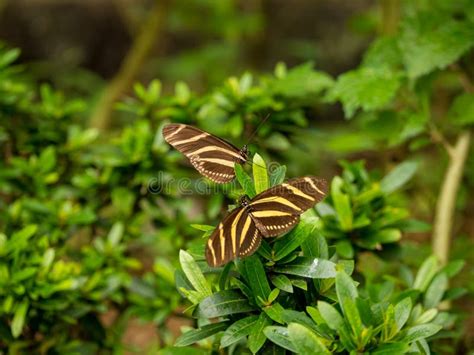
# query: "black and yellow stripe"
{"type": "Point", "coordinates": [271, 213]}
{"type": "Point", "coordinates": [211, 156]}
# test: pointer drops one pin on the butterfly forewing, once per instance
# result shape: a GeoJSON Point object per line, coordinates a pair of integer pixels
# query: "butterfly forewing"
{"type": "Point", "coordinates": [235, 236]}
{"type": "Point", "coordinates": [278, 208]}
{"type": "Point", "coordinates": [271, 213]}
{"type": "Point", "coordinates": [210, 155]}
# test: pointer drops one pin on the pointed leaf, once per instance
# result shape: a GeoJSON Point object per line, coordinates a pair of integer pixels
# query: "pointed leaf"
{"type": "Point", "coordinates": [194, 274]}
{"type": "Point", "coordinates": [426, 273]}
{"type": "Point", "coordinates": [245, 181]}
{"type": "Point", "coordinates": [305, 341]}
{"type": "Point", "coordinates": [223, 303]}
{"type": "Point", "coordinates": [238, 330]}
{"type": "Point", "coordinates": [398, 177]}
{"type": "Point", "coordinates": [282, 282]}
{"type": "Point", "coordinates": [257, 277]}
{"type": "Point", "coordinates": [19, 318]}
{"type": "Point", "coordinates": [308, 267]}
{"type": "Point", "coordinates": [279, 335]}
{"type": "Point", "coordinates": [435, 292]}
{"type": "Point", "coordinates": [257, 338]}
{"type": "Point", "coordinates": [204, 332]}
{"type": "Point", "coordinates": [260, 174]}
{"type": "Point", "coordinates": [330, 315]}
{"type": "Point", "coordinates": [402, 312]}
{"type": "Point", "coordinates": [420, 332]}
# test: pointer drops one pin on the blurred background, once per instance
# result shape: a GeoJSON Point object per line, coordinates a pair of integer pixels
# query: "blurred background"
{"type": "Point", "coordinates": [81, 144]}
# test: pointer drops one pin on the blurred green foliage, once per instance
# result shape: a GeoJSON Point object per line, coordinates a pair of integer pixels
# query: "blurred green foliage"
{"type": "Point", "coordinates": [91, 222]}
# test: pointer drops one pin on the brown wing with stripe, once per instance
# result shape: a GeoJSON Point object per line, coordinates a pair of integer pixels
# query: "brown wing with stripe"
{"type": "Point", "coordinates": [277, 209]}
{"type": "Point", "coordinates": [210, 155]}
{"type": "Point", "coordinates": [235, 236]}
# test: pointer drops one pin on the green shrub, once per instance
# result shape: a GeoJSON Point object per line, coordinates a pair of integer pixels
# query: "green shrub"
{"type": "Point", "coordinates": [296, 294]}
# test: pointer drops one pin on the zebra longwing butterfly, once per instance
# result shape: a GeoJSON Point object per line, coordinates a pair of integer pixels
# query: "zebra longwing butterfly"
{"type": "Point", "coordinates": [213, 157]}
{"type": "Point", "coordinates": [272, 212]}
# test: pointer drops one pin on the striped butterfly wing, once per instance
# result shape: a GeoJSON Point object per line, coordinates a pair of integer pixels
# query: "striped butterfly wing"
{"type": "Point", "coordinates": [236, 236]}
{"type": "Point", "coordinates": [277, 210]}
{"type": "Point", "coordinates": [211, 156]}
{"type": "Point", "coordinates": [270, 213]}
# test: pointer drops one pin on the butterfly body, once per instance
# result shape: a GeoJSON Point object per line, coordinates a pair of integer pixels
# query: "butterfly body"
{"type": "Point", "coordinates": [212, 156]}
{"type": "Point", "coordinates": [269, 214]}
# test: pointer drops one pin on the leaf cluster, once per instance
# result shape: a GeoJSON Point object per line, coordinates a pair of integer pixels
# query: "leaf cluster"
{"type": "Point", "coordinates": [296, 294]}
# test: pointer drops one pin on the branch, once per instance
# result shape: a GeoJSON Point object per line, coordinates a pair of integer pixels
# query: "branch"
{"type": "Point", "coordinates": [438, 137]}
{"type": "Point", "coordinates": [130, 67]}
{"type": "Point", "coordinates": [390, 16]}
{"type": "Point", "coordinates": [445, 206]}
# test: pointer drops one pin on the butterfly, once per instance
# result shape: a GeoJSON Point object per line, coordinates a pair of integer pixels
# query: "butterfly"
{"type": "Point", "coordinates": [272, 212]}
{"type": "Point", "coordinates": [213, 157]}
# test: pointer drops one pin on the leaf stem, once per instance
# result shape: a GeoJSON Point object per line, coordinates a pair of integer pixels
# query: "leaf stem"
{"type": "Point", "coordinates": [390, 16]}
{"type": "Point", "coordinates": [438, 137]}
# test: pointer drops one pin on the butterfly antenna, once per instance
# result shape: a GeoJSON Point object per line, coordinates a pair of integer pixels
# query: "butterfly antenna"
{"type": "Point", "coordinates": [255, 131]}
{"type": "Point", "coordinates": [253, 135]}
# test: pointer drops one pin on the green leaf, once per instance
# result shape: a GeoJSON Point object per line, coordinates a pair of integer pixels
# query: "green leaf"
{"type": "Point", "coordinates": [461, 112]}
{"type": "Point", "coordinates": [345, 287]}
{"type": "Point", "coordinates": [435, 291]}
{"type": "Point", "coordinates": [352, 315]}
{"type": "Point", "coordinates": [238, 330]}
{"type": "Point", "coordinates": [204, 332]}
{"type": "Point", "coordinates": [308, 267]}
{"type": "Point", "coordinates": [315, 246]}
{"type": "Point", "coordinates": [398, 176]}
{"type": "Point", "coordinates": [427, 316]}
{"type": "Point", "coordinates": [256, 337]}
{"type": "Point", "coordinates": [223, 303]}
{"type": "Point", "coordinates": [19, 318]}
{"type": "Point", "coordinates": [245, 181]}
{"type": "Point", "coordinates": [282, 282]}
{"type": "Point", "coordinates": [194, 274]}
{"type": "Point", "coordinates": [279, 335]}
{"type": "Point", "coordinates": [301, 81]}
{"type": "Point", "coordinates": [453, 268]}
{"type": "Point", "coordinates": [369, 88]}
{"type": "Point", "coordinates": [115, 234]}
{"type": "Point", "coordinates": [20, 239]}
{"type": "Point", "coordinates": [9, 57]}
{"type": "Point", "coordinates": [273, 295]}
{"type": "Point", "coordinates": [342, 204]}
{"type": "Point", "coordinates": [432, 40]}
{"type": "Point", "coordinates": [330, 315]}
{"type": "Point", "coordinates": [390, 349]}
{"type": "Point", "coordinates": [383, 52]}
{"type": "Point", "coordinates": [203, 227]}
{"type": "Point", "coordinates": [344, 249]}
{"type": "Point", "coordinates": [277, 175]}
{"type": "Point", "coordinates": [260, 174]}
{"type": "Point", "coordinates": [275, 312]}
{"type": "Point", "coordinates": [305, 341]}
{"type": "Point", "coordinates": [285, 245]}
{"type": "Point", "coordinates": [426, 273]}
{"type": "Point", "coordinates": [402, 312]}
{"type": "Point", "coordinates": [420, 332]}
{"type": "Point", "coordinates": [257, 277]}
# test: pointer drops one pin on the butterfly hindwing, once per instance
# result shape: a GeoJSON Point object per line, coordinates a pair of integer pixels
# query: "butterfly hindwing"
{"type": "Point", "coordinates": [211, 156]}
{"type": "Point", "coordinates": [235, 236]}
